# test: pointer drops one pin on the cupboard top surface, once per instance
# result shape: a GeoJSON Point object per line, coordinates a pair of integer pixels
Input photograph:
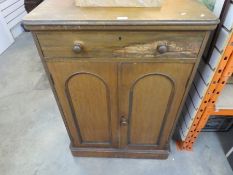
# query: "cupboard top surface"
{"type": "Point", "coordinates": [176, 13]}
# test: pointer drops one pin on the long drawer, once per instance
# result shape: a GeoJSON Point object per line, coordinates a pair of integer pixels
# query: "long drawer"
{"type": "Point", "coordinates": [122, 44]}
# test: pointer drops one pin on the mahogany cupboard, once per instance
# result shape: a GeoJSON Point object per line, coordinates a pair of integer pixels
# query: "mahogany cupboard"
{"type": "Point", "coordinates": [120, 75]}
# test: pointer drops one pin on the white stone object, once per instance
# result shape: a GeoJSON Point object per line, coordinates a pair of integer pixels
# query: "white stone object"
{"type": "Point", "coordinates": [118, 3]}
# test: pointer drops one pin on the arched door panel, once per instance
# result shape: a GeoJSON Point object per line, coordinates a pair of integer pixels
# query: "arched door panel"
{"type": "Point", "coordinates": [89, 99]}
{"type": "Point", "coordinates": [149, 96]}
{"type": "Point", "coordinates": [87, 93]}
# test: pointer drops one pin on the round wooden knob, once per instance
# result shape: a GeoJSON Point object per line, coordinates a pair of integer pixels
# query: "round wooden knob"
{"type": "Point", "coordinates": [77, 48]}
{"type": "Point", "coordinates": [124, 121]}
{"type": "Point", "coordinates": [162, 49]}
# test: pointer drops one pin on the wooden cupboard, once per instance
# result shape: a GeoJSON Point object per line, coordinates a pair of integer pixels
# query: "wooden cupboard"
{"type": "Point", "coordinates": [119, 85]}
{"type": "Point", "coordinates": [120, 105]}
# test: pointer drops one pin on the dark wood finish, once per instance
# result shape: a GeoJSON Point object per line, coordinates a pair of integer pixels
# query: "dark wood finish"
{"type": "Point", "coordinates": [120, 84]}
{"type": "Point", "coordinates": [120, 153]}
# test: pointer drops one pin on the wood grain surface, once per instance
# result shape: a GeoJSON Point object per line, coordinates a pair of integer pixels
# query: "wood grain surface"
{"type": "Point", "coordinates": [116, 44]}
{"type": "Point", "coordinates": [149, 96]}
{"type": "Point", "coordinates": [122, 94]}
{"type": "Point", "coordinates": [87, 93]}
{"type": "Point", "coordinates": [180, 12]}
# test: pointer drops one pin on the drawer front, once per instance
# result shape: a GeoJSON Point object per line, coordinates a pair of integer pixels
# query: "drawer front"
{"type": "Point", "coordinates": [120, 44]}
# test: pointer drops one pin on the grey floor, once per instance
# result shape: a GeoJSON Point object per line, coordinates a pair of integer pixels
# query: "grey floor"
{"type": "Point", "coordinates": [34, 140]}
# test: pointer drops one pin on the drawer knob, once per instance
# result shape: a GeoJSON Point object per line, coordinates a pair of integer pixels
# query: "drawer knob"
{"type": "Point", "coordinates": [162, 49]}
{"type": "Point", "coordinates": [124, 121]}
{"type": "Point", "coordinates": [77, 48]}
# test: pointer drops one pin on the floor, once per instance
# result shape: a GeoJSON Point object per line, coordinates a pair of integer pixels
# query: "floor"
{"type": "Point", "coordinates": [34, 140]}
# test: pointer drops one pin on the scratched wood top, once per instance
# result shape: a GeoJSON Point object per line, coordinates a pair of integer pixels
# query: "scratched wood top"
{"type": "Point", "coordinates": [179, 12]}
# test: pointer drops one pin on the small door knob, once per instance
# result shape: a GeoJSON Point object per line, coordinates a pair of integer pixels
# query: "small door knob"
{"type": "Point", "coordinates": [77, 48]}
{"type": "Point", "coordinates": [124, 121]}
{"type": "Point", "coordinates": [162, 49]}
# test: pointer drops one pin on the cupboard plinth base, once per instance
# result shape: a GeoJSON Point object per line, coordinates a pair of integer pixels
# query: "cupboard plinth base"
{"type": "Point", "coordinates": [119, 153]}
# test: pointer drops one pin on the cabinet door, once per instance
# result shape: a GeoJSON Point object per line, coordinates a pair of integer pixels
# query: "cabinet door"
{"type": "Point", "coordinates": [87, 94]}
{"type": "Point", "coordinates": [150, 95]}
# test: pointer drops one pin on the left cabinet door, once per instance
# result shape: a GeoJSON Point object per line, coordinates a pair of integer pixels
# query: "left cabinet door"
{"type": "Point", "coordinates": [87, 94]}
